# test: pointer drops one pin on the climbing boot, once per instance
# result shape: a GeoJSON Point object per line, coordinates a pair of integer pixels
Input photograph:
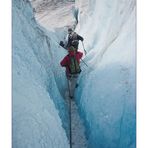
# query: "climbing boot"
{"type": "Point", "coordinates": [76, 85]}
{"type": "Point", "coordinates": [71, 97]}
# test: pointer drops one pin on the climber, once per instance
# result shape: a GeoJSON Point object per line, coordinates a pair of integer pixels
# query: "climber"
{"type": "Point", "coordinates": [73, 37]}
{"type": "Point", "coordinates": [72, 63]}
{"type": "Point", "coordinates": [71, 40]}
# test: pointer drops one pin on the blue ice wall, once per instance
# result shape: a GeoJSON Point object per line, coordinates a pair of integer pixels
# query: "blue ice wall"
{"type": "Point", "coordinates": [38, 106]}
{"type": "Point", "coordinates": [106, 95]}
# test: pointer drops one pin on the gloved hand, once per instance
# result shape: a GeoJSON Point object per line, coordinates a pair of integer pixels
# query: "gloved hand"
{"type": "Point", "coordinates": [61, 43]}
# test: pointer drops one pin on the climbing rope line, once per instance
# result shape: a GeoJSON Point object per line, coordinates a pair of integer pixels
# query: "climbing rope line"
{"type": "Point", "coordinates": [77, 137]}
{"type": "Point", "coordinates": [70, 131]}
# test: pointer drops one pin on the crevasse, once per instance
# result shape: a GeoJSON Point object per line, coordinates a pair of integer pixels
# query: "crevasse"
{"type": "Point", "coordinates": [107, 96]}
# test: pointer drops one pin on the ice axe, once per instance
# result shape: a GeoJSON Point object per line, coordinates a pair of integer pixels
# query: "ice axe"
{"type": "Point", "coordinates": [84, 48]}
{"type": "Point", "coordinates": [86, 64]}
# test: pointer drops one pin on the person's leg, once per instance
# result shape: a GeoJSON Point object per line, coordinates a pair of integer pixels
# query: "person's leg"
{"type": "Point", "coordinates": [73, 83]}
{"type": "Point", "coordinates": [70, 85]}
{"type": "Point", "coordinates": [76, 85]}
{"type": "Point", "coordinates": [69, 88]}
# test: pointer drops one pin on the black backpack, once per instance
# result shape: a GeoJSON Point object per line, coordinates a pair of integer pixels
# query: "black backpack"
{"type": "Point", "coordinates": [73, 39]}
{"type": "Point", "coordinates": [74, 67]}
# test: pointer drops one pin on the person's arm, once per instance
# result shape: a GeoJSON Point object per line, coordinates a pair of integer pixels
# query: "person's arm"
{"type": "Point", "coordinates": [80, 54]}
{"type": "Point", "coordinates": [80, 38]}
{"type": "Point", "coordinates": [64, 62]}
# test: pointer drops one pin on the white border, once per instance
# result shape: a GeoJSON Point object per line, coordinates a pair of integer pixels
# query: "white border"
{"type": "Point", "coordinates": [5, 74]}
{"type": "Point", "coordinates": [142, 74]}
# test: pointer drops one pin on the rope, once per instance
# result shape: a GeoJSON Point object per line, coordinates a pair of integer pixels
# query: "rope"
{"type": "Point", "coordinates": [70, 131]}
{"type": "Point", "coordinates": [84, 48]}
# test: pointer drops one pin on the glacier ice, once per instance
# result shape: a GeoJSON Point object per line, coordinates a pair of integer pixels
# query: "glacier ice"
{"type": "Point", "coordinates": [106, 94]}
{"type": "Point", "coordinates": [38, 113]}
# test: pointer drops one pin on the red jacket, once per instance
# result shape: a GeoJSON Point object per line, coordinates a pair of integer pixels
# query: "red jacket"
{"type": "Point", "coordinates": [66, 61]}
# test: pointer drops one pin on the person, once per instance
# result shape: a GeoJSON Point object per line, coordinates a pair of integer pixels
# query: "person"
{"type": "Point", "coordinates": [73, 38]}
{"type": "Point", "coordinates": [72, 64]}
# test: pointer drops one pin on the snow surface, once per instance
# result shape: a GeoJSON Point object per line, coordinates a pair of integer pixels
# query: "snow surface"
{"type": "Point", "coordinates": [78, 130]}
{"type": "Point", "coordinates": [78, 137]}
{"type": "Point", "coordinates": [54, 14]}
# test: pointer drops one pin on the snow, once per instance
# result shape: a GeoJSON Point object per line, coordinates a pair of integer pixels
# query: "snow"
{"type": "Point", "coordinates": [54, 14]}
{"type": "Point", "coordinates": [78, 129]}
{"type": "Point", "coordinates": [78, 137]}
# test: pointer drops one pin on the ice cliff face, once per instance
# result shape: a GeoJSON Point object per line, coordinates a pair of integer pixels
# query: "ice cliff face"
{"type": "Point", "coordinates": [38, 106]}
{"type": "Point", "coordinates": [106, 95]}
